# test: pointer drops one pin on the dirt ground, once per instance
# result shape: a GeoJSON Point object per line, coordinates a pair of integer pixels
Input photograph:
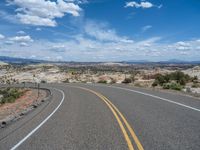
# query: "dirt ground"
{"type": "Point", "coordinates": [29, 98]}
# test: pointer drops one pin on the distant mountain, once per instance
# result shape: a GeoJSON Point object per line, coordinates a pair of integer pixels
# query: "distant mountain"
{"type": "Point", "coordinates": [171, 61]}
{"type": "Point", "coordinates": [136, 62]}
{"type": "Point", "coordinates": [14, 60]}
{"type": "Point", "coordinates": [177, 61]}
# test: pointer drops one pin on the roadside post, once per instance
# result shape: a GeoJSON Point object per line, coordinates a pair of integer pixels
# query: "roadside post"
{"type": "Point", "coordinates": [38, 89]}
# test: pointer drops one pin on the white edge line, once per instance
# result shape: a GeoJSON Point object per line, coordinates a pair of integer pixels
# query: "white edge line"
{"type": "Point", "coordinates": [164, 99]}
{"type": "Point", "coordinates": [42, 123]}
{"type": "Point", "coordinates": [154, 96]}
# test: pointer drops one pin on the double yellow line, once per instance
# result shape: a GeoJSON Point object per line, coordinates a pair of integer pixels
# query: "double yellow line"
{"type": "Point", "coordinates": [117, 114]}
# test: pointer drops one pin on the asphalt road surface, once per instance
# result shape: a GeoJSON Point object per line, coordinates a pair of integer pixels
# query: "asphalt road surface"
{"type": "Point", "coordinates": [89, 116]}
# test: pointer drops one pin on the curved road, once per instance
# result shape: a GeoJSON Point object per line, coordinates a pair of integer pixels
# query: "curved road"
{"type": "Point", "coordinates": [89, 116]}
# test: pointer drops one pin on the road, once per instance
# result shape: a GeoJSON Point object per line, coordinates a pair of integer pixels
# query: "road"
{"type": "Point", "coordinates": [94, 116]}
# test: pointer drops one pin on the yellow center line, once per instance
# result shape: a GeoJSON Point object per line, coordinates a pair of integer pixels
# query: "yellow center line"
{"type": "Point", "coordinates": [129, 143]}
{"type": "Point", "coordinates": [139, 145]}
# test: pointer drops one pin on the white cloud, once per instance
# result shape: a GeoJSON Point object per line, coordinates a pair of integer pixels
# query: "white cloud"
{"type": "Point", "coordinates": [23, 44]}
{"type": "Point", "coordinates": [142, 4]}
{"type": "Point", "coordinates": [146, 4]}
{"type": "Point", "coordinates": [6, 16]}
{"type": "Point", "coordinates": [9, 42]}
{"type": "Point", "coordinates": [21, 32]}
{"type": "Point", "coordinates": [145, 28]}
{"type": "Point", "coordinates": [36, 20]}
{"type": "Point", "coordinates": [70, 8]}
{"type": "Point", "coordinates": [43, 12]}
{"type": "Point", "coordinates": [82, 48]}
{"type": "Point", "coordinates": [103, 33]}
{"type": "Point", "coordinates": [99, 42]}
{"type": "Point", "coordinates": [26, 38]}
{"type": "Point", "coordinates": [2, 36]}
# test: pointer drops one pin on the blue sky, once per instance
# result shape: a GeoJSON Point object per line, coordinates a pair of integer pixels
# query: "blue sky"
{"type": "Point", "coordinates": [100, 30]}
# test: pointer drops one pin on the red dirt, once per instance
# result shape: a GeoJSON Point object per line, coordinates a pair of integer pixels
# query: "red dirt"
{"type": "Point", "coordinates": [22, 103]}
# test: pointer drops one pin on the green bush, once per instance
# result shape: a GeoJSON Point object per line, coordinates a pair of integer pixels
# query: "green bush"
{"type": "Point", "coordinates": [172, 86]}
{"type": "Point", "coordinates": [10, 95]}
{"type": "Point", "coordinates": [160, 79]}
{"type": "Point", "coordinates": [178, 77]}
{"type": "Point", "coordinates": [155, 83]}
{"type": "Point", "coordinates": [127, 80]}
{"type": "Point", "coordinates": [43, 81]}
{"type": "Point", "coordinates": [102, 81]}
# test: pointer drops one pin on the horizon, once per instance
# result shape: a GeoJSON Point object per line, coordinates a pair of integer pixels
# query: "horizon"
{"type": "Point", "coordinates": [100, 30]}
{"type": "Point", "coordinates": [9, 59]}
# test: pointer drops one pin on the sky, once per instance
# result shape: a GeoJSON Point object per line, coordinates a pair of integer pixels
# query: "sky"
{"type": "Point", "coordinates": [100, 30]}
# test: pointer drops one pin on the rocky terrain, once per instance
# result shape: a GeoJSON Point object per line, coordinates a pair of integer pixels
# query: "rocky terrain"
{"type": "Point", "coordinates": [142, 75]}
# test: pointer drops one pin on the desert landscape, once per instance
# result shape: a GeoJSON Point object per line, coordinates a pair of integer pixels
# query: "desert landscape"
{"type": "Point", "coordinates": [147, 75]}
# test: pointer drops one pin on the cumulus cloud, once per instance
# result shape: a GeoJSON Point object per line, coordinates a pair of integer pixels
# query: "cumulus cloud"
{"type": "Point", "coordinates": [82, 48]}
{"type": "Point", "coordinates": [2, 36]}
{"type": "Point", "coordinates": [99, 42]}
{"type": "Point", "coordinates": [43, 12]}
{"type": "Point", "coordinates": [142, 4]}
{"type": "Point", "coordinates": [36, 20]}
{"type": "Point", "coordinates": [26, 38]}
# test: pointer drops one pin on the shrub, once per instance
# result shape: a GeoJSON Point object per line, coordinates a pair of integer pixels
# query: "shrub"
{"type": "Point", "coordinates": [180, 77]}
{"type": "Point", "coordinates": [195, 79]}
{"type": "Point", "coordinates": [10, 95]}
{"type": "Point", "coordinates": [127, 80]}
{"type": "Point", "coordinates": [43, 81]}
{"type": "Point", "coordinates": [160, 79]}
{"type": "Point", "coordinates": [195, 85]}
{"type": "Point", "coordinates": [155, 83]}
{"type": "Point", "coordinates": [177, 76]}
{"type": "Point", "coordinates": [113, 81]}
{"type": "Point", "coordinates": [166, 86]}
{"type": "Point", "coordinates": [172, 86]}
{"type": "Point", "coordinates": [102, 81]}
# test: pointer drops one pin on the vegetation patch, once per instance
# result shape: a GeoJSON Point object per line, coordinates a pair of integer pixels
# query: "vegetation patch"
{"type": "Point", "coordinates": [102, 81]}
{"type": "Point", "coordinates": [127, 80]}
{"type": "Point", "coordinates": [9, 95]}
{"type": "Point", "coordinates": [175, 81]}
{"type": "Point", "coordinates": [173, 86]}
